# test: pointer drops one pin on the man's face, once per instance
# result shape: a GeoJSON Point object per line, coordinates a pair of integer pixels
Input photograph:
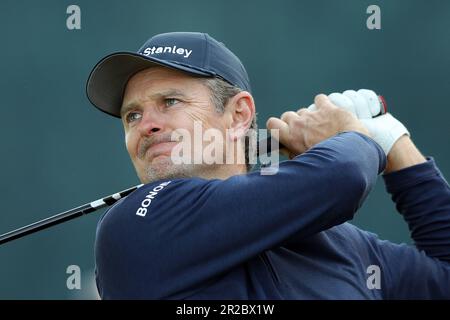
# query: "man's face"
{"type": "Point", "coordinates": [158, 101]}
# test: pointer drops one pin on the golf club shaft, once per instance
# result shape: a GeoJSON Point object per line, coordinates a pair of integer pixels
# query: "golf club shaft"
{"type": "Point", "coordinates": [65, 216]}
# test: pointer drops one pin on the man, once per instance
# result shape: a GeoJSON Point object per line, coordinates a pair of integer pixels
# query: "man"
{"type": "Point", "coordinates": [216, 231]}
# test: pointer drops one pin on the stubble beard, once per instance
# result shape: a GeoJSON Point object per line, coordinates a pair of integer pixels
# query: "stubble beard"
{"type": "Point", "coordinates": [165, 169]}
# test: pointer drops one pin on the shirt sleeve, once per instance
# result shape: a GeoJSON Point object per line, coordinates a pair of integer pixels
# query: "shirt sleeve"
{"type": "Point", "coordinates": [422, 196]}
{"type": "Point", "coordinates": [193, 229]}
{"type": "Point", "coordinates": [422, 271]}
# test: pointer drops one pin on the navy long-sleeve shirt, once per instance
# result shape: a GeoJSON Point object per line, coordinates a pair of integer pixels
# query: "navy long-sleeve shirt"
{"type": "Point", "coordinates": [278, 236]}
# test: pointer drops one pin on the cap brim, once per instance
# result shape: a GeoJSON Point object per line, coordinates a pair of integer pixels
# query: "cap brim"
{"type": "Point", "coordinates": [106, 83]}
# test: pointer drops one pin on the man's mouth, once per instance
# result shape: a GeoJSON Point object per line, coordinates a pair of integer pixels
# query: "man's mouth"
{"type": "Point", "coordinates": [159, 149]}
{"type": "Point", "coordinates": [150, 146]}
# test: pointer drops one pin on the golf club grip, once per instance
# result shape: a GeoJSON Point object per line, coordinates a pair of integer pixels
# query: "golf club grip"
{"type": "Point", "coordinates": [269, 144]}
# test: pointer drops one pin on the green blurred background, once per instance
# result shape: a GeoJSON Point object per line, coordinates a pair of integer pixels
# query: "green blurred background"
{"type": "Point", "coordinates": [59, 152]}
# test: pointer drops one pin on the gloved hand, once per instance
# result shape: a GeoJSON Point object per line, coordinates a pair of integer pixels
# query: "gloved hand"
{"type": "Point", "coordinates": [365, 105]}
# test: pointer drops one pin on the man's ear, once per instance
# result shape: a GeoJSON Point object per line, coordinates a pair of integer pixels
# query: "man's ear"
{"type": "Point", "coordinates": [242, 111]}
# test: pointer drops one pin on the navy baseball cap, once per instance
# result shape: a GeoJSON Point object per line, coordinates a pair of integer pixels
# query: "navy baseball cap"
{"type": "Point", "coordinates": [192, 52]}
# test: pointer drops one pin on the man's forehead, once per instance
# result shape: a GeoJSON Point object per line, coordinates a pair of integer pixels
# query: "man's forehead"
{"type": "Point", "coordinates": [161, 78]}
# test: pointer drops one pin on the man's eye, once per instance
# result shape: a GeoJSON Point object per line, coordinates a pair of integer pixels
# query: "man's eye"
{"type": "Point", "coordinates": [171, 101]}
{"type": "Point", "coordinates": [133, 116]}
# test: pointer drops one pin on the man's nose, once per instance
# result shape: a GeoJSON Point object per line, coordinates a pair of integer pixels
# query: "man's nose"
{"type": "Point", "coordinates": [150, 124]}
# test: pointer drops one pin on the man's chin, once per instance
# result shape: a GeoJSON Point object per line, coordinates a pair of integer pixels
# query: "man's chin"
{"type": "Point", "coordinates": [161, 159]}
{"type": "Point", "coordinates": [162, 168]}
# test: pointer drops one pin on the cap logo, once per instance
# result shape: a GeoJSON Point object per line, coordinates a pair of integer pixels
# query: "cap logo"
{"type": "Point", "coordinates": [185, 53]}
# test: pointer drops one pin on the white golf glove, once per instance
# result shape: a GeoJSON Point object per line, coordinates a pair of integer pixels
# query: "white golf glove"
{"type": "Point", "coordinates": [365, 105]}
